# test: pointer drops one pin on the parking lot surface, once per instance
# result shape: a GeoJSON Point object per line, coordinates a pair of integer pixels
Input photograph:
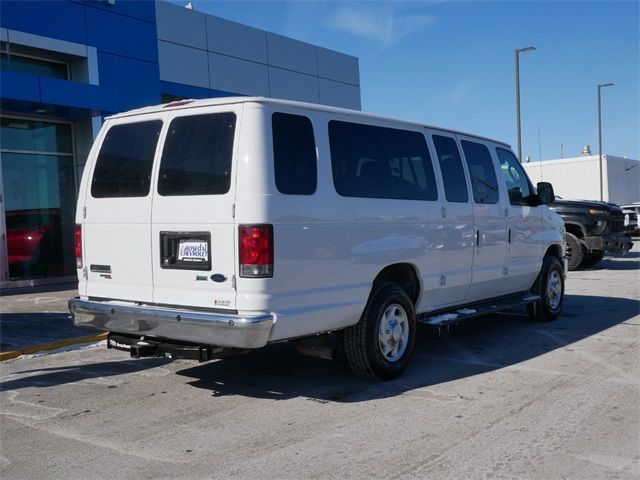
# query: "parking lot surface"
{"type": "Point", "coordinates": [497, 397]}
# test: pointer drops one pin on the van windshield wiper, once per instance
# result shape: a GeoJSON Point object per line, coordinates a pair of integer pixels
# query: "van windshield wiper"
{"type": "Point", "coordinates": [473, 177]}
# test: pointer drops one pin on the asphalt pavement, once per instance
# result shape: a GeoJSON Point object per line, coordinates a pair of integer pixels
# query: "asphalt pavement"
{"type": "Point", "coordinates": [497, 397]}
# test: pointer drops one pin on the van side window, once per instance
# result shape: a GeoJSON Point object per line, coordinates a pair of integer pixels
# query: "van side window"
{"type": "Point", "coordinates": [483, 175]}
{"type": "Point", "coordinates": [294, 154]}
{"type": "Point", "coordinates": [380, 162]}
{"type": "Point", "coordinates": [197, 155]}
{"type": "Point", "coordinates": [123, 167]}
{"type": "Point", "coordinates": [518, 184]}
{"type": "Point", "coordinates": [455, 185]}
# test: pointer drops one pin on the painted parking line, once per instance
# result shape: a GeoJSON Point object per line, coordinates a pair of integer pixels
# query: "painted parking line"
{"type": "Point", "coordinates": [51, 346]}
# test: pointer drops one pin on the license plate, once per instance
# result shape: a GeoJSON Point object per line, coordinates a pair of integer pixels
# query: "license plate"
{"type": "Point", "coordinates": [193, 251]}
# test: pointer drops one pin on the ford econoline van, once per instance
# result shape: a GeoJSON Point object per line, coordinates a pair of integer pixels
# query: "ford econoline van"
{"type": "Point", "coordinates": [208, 226]}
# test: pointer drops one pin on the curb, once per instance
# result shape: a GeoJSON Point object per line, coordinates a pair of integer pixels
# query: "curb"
{"type": "Point", "coordinates": [51, 346]}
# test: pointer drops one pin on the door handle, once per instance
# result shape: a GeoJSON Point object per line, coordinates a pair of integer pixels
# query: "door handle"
{"type": "Point", "coordinates": [477, 237]}
{"type": "Point", "coordinates": [509, 235]}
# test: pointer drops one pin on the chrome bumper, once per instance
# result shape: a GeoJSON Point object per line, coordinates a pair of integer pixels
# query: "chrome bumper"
{"type": "Point", "coordinates": [202, 328]}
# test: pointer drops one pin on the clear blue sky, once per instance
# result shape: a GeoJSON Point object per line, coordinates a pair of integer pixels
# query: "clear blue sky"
{"type": "Point", "coordinates": [450, 63]}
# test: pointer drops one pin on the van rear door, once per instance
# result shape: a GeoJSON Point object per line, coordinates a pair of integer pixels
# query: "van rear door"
{"type": "Point", "coordinates": [116, 216]}
{"type": "Point", "coordinates": [193, 228]}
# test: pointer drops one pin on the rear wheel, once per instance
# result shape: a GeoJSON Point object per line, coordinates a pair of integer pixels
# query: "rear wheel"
{"type": "Point", "coordinates": [574, 251]}
{"type": "Point", "coordinates": [593, 258]}
{"type": "Point", "coordinates": [380, 345]}
{"type": "Point", "coordinates": [550, 286]}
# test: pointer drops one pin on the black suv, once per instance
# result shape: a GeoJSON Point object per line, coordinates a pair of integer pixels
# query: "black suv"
{"type": "Point", "coordinates": [593, 228]}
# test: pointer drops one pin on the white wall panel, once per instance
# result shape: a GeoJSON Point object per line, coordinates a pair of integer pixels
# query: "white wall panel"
{"type": "Point", "coordinates": [184, 65]}
{"type": "Point", "coordinates": [290, 85]}
{"type": "Point", "coordinates": [181, 25]}
{"type": "Point", "coordinates": [292, 54]}
{"type": "Point", "coordinates": [339, 94]}
{"type": "Point", "coordinates": [236, 40]}
{"type": "Point", "coordinates": [338, 66]}
{"type": "Point", "coordinates": [238, 76]}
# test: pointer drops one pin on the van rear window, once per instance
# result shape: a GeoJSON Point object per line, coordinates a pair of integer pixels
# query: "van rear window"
{"type": "Point", "coordinates": [123, 167]}
{"type": "Point", "coordinates": [379, 162]}
{"type": "Point", "coordinates": [197, 155]}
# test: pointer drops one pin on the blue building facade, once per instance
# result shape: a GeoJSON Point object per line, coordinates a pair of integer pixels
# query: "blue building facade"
{"type": "Point", "coordinates": [68, 64]}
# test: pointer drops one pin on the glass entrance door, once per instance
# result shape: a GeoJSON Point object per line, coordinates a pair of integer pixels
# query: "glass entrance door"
{"type": "Point", "coordinates": [39, 198]}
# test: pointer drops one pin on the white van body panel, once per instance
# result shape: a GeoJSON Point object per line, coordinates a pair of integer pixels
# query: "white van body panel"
{"type": "Point", "coordinates": [490, 255]}
{"type": "Point", "coordinates": [211, 214]}
{"type": "Point", "coordinates": [329, 248]}
{"type": "Point", "coordinates": [457, 245]}
{"type": "Point", "coordinates": [116, 233]}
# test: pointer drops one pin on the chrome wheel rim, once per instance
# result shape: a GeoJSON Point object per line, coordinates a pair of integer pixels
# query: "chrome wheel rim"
{"type": "Point", "coordinates": [554, 289]}
{"type": "Point", "coordinates": [393, 334]}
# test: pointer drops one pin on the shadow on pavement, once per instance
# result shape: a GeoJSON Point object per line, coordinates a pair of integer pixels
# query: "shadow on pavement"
{"type": "Point", "coordinates": [277, 371]}
{"type": "Point", "coordinates": [477, 346]}
{"type": "Point", "coordinates": [20, 330]}
{"type": "Point", "coordinates": [48, 377]}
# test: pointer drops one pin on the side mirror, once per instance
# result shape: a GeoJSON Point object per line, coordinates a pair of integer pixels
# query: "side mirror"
{"type": "Point", "coordinates": [546, 194]}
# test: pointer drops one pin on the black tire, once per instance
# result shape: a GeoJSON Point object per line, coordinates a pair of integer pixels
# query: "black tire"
{"type": "Point", "coordinates": [548, 308]}
{"type": "Point", "coordinates": [362, 341]}
{"type": "Point", "coordinates": [574, 251]}
{"type": "Point", "coordinates": [593, 258]}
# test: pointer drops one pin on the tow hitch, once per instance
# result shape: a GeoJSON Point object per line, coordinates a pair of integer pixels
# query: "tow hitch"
{"type": "Point", "coordinates": [140, 347]}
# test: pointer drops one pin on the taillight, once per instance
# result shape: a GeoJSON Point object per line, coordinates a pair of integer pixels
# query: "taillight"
{"type": "Point", "coordinates": [78, 246]}
{"type": "Point", "coordinates": [256, 250]}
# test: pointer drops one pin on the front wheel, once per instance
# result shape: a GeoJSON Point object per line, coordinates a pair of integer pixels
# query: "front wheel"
{"type": "Point", "coordinates": [574, 251]}
{"type": "Point", "coordinates": [550, 286]}
{"type": "Point", "coordinates": [380, 345]}
{"type": "Point", "coordinates": [593, 258]}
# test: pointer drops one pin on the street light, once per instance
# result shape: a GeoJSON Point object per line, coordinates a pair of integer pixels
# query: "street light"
{"type": "Point", "coordinates": [600, 87]}
{"type": "Point", "coordinates": [518, 52]}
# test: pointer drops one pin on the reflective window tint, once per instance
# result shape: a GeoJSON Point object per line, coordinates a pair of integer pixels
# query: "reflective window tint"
{"type": "Point", "coordinates": [123, 167]}
{"type": "Point", "coordinates": [33, 66]}
{"type": "Point", "coordinates": [294, 154]}
{"type": "Point", "coordinates": [518, 184]}
{"type": "Point", "coordinates": [380, 162]}
{"type": "Point", "coordinates": [197, 155]}
{"type": "Point", "coordinates": [455, 184]}
{"type": "Point", "coordinates": [483, 175]}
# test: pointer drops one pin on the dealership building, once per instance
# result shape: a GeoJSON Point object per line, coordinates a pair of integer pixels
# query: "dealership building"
{"type": "Point", "coordinates": [65, 65]}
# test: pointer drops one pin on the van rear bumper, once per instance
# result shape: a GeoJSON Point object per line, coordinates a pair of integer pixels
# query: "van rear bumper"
{"type": "Point", "coordinates": [199, 327]}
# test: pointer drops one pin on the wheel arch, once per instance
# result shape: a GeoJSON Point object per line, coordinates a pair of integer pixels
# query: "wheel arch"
{"type": "Point", "coordinates": [554, 250]}
{"type": "Point", "coordinates": [403, 274]}
{"type": "Point", "coordinates": [575, 229]}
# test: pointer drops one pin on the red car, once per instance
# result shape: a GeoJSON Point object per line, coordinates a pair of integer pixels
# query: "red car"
{"type": "Point", "coordinates": [33, 241]}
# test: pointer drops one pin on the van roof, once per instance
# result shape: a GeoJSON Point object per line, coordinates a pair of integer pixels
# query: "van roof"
{"type": "Point", "coordinates": [193, 103]}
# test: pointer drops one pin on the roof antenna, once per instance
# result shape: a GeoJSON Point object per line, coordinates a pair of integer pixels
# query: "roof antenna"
{"type": "Point", "coordinates": [539, 147]}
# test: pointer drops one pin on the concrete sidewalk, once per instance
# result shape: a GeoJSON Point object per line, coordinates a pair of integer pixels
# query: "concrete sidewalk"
{"type": "Point", "coordinates": [38, 320]}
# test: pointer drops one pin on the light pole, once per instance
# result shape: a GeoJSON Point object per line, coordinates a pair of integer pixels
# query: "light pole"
{"type": "Point", "coordinates": [518, 52]}
{"type": "Point", "coordinates": [600, 87]}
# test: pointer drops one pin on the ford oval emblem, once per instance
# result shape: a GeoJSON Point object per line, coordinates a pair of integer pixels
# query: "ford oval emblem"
{"type": "Point", "coordinates": [218, 277]}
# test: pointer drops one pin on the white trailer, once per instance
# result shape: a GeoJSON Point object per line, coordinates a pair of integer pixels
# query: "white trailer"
{"type": "Point", "coordinates": [579, 177]}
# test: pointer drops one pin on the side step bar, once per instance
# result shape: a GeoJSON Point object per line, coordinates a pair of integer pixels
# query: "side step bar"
{"type": "Point", "coordinates": [447, 317]}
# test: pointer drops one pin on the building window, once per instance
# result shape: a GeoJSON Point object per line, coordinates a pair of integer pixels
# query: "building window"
{"type": "Point", "coordinates": [38, 186]}
{"type": "Point", "coordinates": [34, 66]}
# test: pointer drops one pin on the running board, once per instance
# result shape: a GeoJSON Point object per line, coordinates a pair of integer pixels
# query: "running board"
{"type": "Point", "coordinates": [453, 316]}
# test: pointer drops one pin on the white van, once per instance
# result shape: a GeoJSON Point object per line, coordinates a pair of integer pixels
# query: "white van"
{"type": "Point", "coordinates": [208, 225]}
